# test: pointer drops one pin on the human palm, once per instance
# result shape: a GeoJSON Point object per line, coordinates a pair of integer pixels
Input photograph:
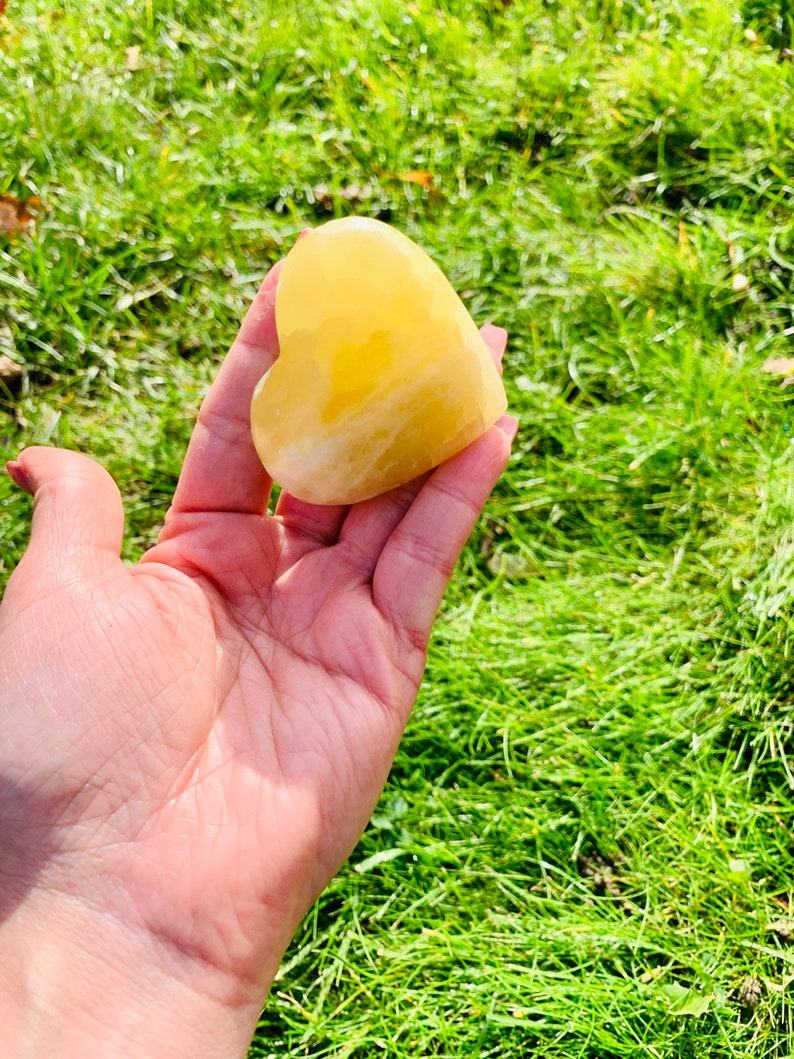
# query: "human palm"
{"type": "Point", "coordinates": [192, 746]}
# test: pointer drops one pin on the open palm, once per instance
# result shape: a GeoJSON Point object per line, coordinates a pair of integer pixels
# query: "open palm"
{"type": "Point", "coordinates": [191, 747]}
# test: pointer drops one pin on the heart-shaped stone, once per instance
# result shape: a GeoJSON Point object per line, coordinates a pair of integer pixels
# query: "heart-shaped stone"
{"type": "Point", "coordinates": [382, 373]}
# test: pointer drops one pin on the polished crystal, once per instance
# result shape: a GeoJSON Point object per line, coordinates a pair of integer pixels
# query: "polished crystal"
{"type": "Point", "coordinates": [382, 373]}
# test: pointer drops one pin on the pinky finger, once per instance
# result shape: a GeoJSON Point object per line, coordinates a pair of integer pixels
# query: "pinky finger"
{"type": "Point", "coordinates": [417, 562]}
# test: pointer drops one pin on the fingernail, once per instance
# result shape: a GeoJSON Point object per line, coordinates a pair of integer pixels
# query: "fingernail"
{"type": "Point", "coordinates": [19, 476]}
{"type": "Point", "coordinates": [508, 425]}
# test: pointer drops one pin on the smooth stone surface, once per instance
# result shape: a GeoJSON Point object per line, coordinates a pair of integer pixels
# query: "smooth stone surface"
{"type": "Point", "coordinates": [382, 373]}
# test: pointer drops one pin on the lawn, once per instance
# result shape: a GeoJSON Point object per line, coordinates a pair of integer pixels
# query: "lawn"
{"type": "Point", "coordinates": [586, 846]}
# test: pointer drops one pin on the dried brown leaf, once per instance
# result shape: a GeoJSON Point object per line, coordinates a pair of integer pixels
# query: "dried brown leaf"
{"type": "Point", "coordinates": [2, 7]}
{"type": "Point", "coordinates": [784, 928]}
{"type": "Point", "coordinates": [418, 176]}
{"type": "Point", "coordinates": [17, 214]}
{"type": "Point", "coordinates": [750, 993]}
{"type": "Point", "coordinates": [604, 878]}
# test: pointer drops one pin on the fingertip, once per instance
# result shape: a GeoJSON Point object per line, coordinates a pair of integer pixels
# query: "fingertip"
{"type": "Point", "coordinates": [40, 463]}
{"type": "Point", "coordinates": [495, 338]}
{"type": "Point", "coordinates": [19, 476]}
{"type": "Point", "coordinates": [77, 511]}
{"type": "Point", "coordinates": [258, 329]}
{"type": "Point", "coordinates": [508, 425]}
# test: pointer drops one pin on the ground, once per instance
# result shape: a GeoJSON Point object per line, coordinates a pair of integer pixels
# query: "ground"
{"type": "Point", "coordinates": [585, 849]}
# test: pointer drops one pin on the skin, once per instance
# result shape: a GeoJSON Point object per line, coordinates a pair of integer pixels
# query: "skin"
{"type": "Point", "coordinates": [191, 747]}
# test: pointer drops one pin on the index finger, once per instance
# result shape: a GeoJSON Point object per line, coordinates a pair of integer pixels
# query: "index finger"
{"type": "Point", "coordinates": [222, 471]}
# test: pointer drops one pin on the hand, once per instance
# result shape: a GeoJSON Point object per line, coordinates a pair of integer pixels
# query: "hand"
{"type": "Point", "coordinates": [189, 748]}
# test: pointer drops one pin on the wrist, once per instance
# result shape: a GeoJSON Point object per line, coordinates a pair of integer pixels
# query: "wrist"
{"type": "Point", "coordinates": [76, 983]}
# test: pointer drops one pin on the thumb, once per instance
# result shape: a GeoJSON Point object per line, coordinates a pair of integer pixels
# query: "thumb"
{"type": "Point", "coordinates": [78, 520]}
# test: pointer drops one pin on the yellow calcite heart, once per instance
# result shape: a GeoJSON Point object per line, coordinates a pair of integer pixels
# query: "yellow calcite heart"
{"type": "Point", "coordinates": [382, 373]}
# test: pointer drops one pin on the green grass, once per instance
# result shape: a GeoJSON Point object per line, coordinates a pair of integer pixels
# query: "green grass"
{"type": "Point", "coordinates": [587, 835]}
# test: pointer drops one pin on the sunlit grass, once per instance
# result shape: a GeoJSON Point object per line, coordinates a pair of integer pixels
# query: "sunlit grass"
{"type": "Point", "coordinates": [585, 846]}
